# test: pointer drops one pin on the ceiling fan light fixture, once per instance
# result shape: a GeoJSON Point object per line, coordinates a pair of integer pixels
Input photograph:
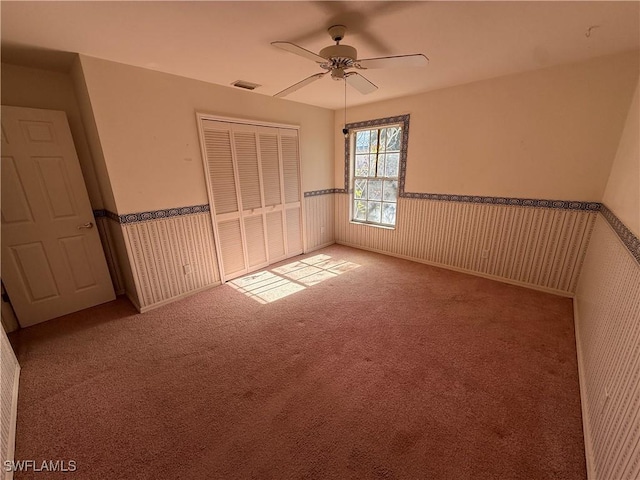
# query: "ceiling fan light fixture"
{"type": "Point", "coordinates": [337, 74]}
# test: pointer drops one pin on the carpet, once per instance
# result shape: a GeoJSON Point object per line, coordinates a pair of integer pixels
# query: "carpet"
{"type": "Point", "coordinates": [363, 366]}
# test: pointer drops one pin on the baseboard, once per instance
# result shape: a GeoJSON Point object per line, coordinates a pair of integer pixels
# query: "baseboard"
{"type": "Point", "coordinates": [153, 306]}
{"type": "Point", "coordinates": [531, 286]}
{"type": "Point", "coordinates": [11, 448]}
{"type": "Point", "coordinates": [586, 429]}
{"type": "Point", "coordinates": [318, 247]}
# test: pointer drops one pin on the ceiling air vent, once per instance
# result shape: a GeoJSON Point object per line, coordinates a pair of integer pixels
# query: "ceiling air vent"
{"type": "Point", "coordinates": [245, 85]}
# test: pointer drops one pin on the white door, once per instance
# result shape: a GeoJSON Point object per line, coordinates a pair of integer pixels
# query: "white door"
{"type": "Point", "coordinates": [52, 258]}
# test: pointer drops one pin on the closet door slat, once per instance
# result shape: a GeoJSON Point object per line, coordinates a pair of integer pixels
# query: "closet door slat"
{"type": "Point", "coordinates": [294, 231]}
{"type": "Point", "coordinates": [275, 235]}
{"type": "Point", "coordinates": [291, 168]}
{"type": "Point", "coordinates": [256, 250]}
{"type": "Point", "coordinates": [232, 248]}
{"type": "Point", "coordinates": [247, 160]}
{"type": "Point", "coordinates": [220, 170]}
{"type": "Point", "coordinates": [270, 168]}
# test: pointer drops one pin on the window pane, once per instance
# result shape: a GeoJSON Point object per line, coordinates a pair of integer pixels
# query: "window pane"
{"type": "Point", "coordinates": [360, 210]}
{"type": "Point", "coordinates": [373, 165]}
{"type": "Point", "coordinates": [360, 188]}
{"type": "Point", "coordinates": [373, 141]}
{"type": "Point", "coordinates": [373, 213]}
{"type": "Point", "coordinates": [390, 191]}
{"type": "Point", "coordinates": [389, 213]}
{"type": "Point", "coordinates": [362, 141]}
{"type": "Point", "coordinates": [375, 190]}
{"type": "Point", "coordinates": [362, 166]}
{"type": "Point", "coordinates": [392, 164]}
{"type": "Point", "coordinates": [380, 169]}
{"type": "Point", "coordinates": [383, 137]}
{"type": "Point", "coordinates": [393, 138]}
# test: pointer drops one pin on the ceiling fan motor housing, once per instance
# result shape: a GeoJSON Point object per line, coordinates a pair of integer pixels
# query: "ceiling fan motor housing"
{"type": "Point", "coordinates": [340, 56]}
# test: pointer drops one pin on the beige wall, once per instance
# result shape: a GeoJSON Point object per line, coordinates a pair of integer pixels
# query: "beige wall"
{"type": "Point", "coordinates": [86, 110]}
{"type": "Point", "coordinates": [548, 133]}
{"type": "Point", "coordinates": [608, 341]}
{"type": "Point", "coordinates": [35, 88]}
{"type": "Point", "coordinates": [622, 195]}
{"type": "Point", "coordinates": [147, 128]}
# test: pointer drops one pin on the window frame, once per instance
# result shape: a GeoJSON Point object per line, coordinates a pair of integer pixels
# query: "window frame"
{"type": "Point", "coordinates": [402, 121]}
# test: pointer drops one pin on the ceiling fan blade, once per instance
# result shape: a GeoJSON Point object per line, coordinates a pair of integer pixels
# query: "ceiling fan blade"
{"type": "Point", "coordinates": [417, 60]}
{"type": "Point", "coordinates": [299, 85]}
{"type": "Point", "coordinates": [360, 83]}
{"type": "Point", "coordinates": [293, 48]}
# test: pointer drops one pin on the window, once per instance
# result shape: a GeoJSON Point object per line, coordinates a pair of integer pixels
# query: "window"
{"type": "Point", "coordinates": [376, 155]}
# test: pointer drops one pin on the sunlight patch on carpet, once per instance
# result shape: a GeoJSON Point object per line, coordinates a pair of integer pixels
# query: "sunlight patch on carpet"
{"type": "Point", "coordinates": [270, 285]}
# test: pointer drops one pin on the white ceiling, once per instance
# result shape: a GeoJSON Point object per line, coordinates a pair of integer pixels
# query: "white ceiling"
{"type": "Point", "coordinates": [221, 42]}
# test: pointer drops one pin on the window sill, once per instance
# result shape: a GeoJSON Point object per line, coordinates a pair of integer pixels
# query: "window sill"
{"type": "Point", "coordinates": [384, 227]}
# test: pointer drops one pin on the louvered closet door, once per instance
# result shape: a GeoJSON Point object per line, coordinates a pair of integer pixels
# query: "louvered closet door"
{"type": "Point", "coordinates": [273, 192]}
{"type": "Point", "coordinates": [292, 190]}
{"type": "Point", "coordinates": [221, 170]}
{"type": "Point", "coordinates": [254, 181]}
{"type": "Point", "coordinates": [247, 155]}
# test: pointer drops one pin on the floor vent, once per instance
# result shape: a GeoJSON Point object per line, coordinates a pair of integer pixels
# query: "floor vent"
{"type": "Point", "coordinates": [245, 85]}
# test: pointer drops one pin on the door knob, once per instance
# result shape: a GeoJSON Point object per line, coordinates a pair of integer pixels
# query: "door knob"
{"type": "Point", "coordinates": [86, 225]}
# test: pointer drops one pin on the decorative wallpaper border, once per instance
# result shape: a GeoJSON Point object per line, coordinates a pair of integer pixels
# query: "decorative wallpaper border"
{"type": "Point", "coordinates": [627, 237]}
{"type": "Point", "coordinates": [152, 215]}
{"type": "Point", "coordinates": [518, 202]}
{"type": "Point", "coordinates": [521, 202]}
{"type": "Point", "coordinates": [326, 191]}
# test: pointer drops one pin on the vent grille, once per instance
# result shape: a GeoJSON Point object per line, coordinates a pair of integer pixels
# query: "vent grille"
{"type": "Point", "coordinates": [245, 85]}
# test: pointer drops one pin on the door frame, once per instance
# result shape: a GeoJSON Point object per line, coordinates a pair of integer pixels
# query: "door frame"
{"type": "Point", "coordinates": [200, 116]}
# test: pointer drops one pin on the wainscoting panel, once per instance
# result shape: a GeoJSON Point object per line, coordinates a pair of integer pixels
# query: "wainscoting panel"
{"type": "Point", "coordinates": [608, 337]}
{"type": "Point", "coordinates": [171, 257]}
{"type": "Point", "coordinates": [319, 210]}
{"type": "Point", "coordinates": [109, 247]}
{"type": "Point", "coordinates": [541, 247]}
{"type": "Point", "coordinates": [9, 373]}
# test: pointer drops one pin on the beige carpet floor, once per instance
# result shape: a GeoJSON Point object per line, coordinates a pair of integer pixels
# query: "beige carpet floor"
{"type": "Point", "coordinates": [340, 364]}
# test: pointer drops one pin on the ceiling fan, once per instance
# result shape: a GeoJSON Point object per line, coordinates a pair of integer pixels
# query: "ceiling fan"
{"type": "Point", "coordinates": [337, 59]}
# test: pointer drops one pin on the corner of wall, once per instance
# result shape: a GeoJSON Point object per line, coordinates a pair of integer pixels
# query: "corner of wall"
{"type": "Point", "coordinates": [111, 232]}
{"type": "Point", "coordinates": [86, 111]}
{"type": "Point", "coordinates": [607, 305]}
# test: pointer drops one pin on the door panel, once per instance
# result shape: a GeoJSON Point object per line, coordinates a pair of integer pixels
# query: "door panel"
{"type": "Point", "coordinates": [248, 173]}
{"type": "Point", "coordinates": [256, 249]}
{"type": "Point", "coordinates": [275, 236]}
{"type": "Point", "coordinates": [51, 266]}
{"type": "Point", "coordinates": [38, 131]}
{"type": "Point", "coordinates": [291, 168]}
{"type": "Point", "coordinates": [13, 193]}
{"type": "Point", "coordinates": [54, 181]}
{"type": "Point", "coordinates": [220, 168]}
{"type": "Point", "coordinates": [294, 231]}
{"type": "Point", "coordinates": [270, 168]}
{"type": "Point", "coordinates": [231, 248]}
{"type": "Point", "coordinates": [34, 270]}
{"type": "Point", "coordinates": [78, 261]}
